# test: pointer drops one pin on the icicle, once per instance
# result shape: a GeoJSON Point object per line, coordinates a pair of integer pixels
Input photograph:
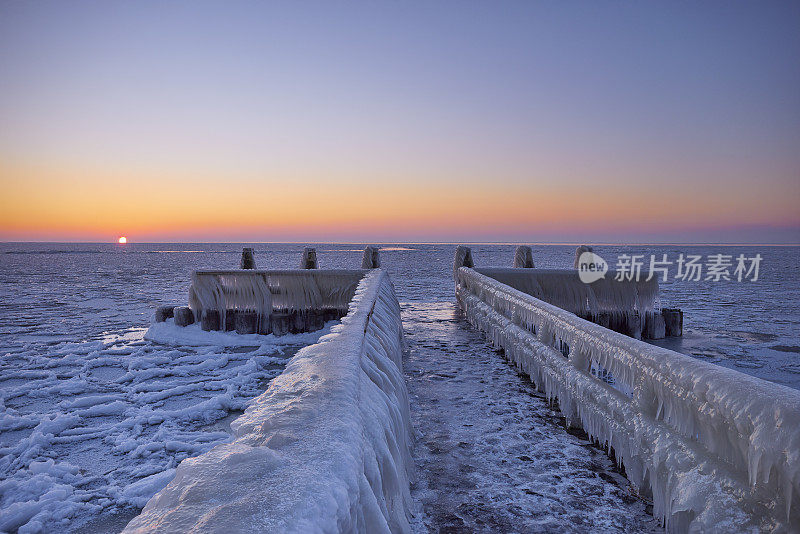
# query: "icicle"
{"type": "Point", "coordinates": [563, 288]}
{"type": "Point", "coordinates": [263, 291]}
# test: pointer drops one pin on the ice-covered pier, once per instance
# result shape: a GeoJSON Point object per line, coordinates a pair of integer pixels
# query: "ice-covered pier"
{"type": "Point", "coordinates": [325, 448]}
{"type": "Point", "coordinates": [715, 449]}
{"type": "Point", "coordinates": [328, 446]}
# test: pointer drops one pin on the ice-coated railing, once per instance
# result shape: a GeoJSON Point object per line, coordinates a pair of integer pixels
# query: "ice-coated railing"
{"type": "Point", "coordinates": [324, 449]}
{"type": "Point", "coordinates": [263, 291]}
{"type": "Point", "coordinates": [716, 449]}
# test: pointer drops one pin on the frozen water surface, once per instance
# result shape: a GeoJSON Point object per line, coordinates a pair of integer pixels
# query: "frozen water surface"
{"type": "Point", "coordinates": [93, 416]}
{"type": "Point", "coordinates": [92, 430]}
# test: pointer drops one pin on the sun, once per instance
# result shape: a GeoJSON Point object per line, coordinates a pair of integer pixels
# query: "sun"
{"type": "Point", "coordinates": [122, 240]}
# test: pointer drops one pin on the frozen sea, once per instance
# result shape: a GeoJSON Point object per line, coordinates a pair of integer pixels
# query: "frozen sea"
{"type": "Point", "coordinates": [94, 416]}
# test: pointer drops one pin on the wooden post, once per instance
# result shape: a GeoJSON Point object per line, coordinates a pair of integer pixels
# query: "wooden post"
{"type": "Point", "coordinates": [246, 322]}
{"type": "Point", "coordinates": [331, 314]}
{"type": "Point", "coordinates": [370, 260]}
{"type": "Point", "coordinates": [230, 319]}
{"type": "Point", "coordinates": [296, 322]}
{"type": "Point", "coordinates": [602, 318]}
{"type": "Point", "coordinates": [183, 316]}
{"type": "Point", "coordinates": [578, 251]}
{"type": "Point", "coordinates": [248, 261]}
{"type": "Point", "coordinates": [315, 320]}
{"type": "Point", "coordinates": [463, 258]}
{"type": "Point", "coordinates": [523, 257]}
{"type": "Point", "coordinates": [309, 260]}
{"type": "Point", "coordinates": [264, 324]}
{"type": "Point", "coordinates": [673, 321]}
{"type": "Point", "coordinates": [279, 323]}
{"type": "Point", "coordinates": [210, 320]}
{"type": "Point", "coordinates": [164, 312]}
{"type": "Point", "coordinates": [654, 325]}
{"type": "Point", "coordinates": [633, 323]}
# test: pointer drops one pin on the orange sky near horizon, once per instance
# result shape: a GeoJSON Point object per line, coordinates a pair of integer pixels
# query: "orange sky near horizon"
{"type": "Point", "coordinates": [101, 204]}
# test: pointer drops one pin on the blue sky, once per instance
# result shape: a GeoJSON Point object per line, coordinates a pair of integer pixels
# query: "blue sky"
{"type": "Point", "coordinates": [541, 121]}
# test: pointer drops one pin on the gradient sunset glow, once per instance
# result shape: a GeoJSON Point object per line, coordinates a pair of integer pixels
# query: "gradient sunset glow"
{"type": "Point", "coordinates": [388, 122]}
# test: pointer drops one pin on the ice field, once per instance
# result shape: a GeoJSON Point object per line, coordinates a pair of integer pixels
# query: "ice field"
{"type": "Point", "coordinates": [95, 414]}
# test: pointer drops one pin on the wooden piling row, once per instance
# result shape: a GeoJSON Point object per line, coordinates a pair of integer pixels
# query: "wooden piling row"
{"type": "Point", "coordinates": [653, 325]}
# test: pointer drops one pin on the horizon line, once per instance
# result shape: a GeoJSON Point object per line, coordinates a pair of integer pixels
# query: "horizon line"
{"type": "Point", "coordinates": [551, 243]}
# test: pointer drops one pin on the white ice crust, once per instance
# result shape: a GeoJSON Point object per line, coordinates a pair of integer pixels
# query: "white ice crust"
{"type": "Point", "coordinates": [718, 450]}
{"type": "Point", "coordinates": [103, 424]}
{"type": "Point", "coordinates": [324, 449]}
{"type": "Point", "coordinates": [194, 336]}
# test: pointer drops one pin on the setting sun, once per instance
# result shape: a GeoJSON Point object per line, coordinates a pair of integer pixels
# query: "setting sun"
{"type": "Point", "coordinates": [122, 240]}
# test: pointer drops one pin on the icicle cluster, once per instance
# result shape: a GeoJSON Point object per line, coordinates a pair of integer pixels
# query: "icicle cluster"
{"type": "Point", "coordinates": [718, 450]}
{"type": "Point", "coordinates": [564, 289]}
{"type": "Point", "coordinates": [263, 291]}
{"type": "Point", "coordinates": [324, 449]}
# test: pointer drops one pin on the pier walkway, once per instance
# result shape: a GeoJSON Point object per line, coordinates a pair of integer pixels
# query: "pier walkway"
{"type": "Point", "coordinates": [490, 454]}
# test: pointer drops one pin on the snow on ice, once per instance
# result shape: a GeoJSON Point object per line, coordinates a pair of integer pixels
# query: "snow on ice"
{"type": "Point", "coordinates": [93, 430]}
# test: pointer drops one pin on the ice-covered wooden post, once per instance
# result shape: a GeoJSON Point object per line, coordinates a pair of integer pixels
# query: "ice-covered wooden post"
{"type": "Point", "coordinates": [523, 257]}
{"type": "Point", "coordinates": [309, 260]}
{"type": "Point", "coordinates": [246, 322]}
{"type": "Point", "coordinates": [210, 320]}
{"type": "Point", "coordinates": [578, 251]}
{"type": "Point", "coordinates": [633, 324]}
{"type": "Point", "coordinates": [164, 312]}
{"type": "Point", "coordinates": [248, 261]}
{"type": "Point", "coordinates": [654, 327]}
{"type": "Point", "coordinates": [183, 316]}
{"type": "Point", "coordinates": [673, 321]}
{"type": "Point", "coordinates": [371, 259]}
{"type": "Point", "coordinates": [463, 258]}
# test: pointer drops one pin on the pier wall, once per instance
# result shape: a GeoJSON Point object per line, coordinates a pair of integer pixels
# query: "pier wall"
{"type": "Point", "coordinates": [264, 291]}
{"type": "Point", "coordinates": [324, 449]}
{"type": "Point", "coordinates": [716, 450]}
{"type": "Point", "coordinates": [273, 301]}
{"type": "Point", "coordinates": [563, 288]}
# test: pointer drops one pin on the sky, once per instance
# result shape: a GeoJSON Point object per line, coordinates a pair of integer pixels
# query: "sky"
{"type": "Point", "coordinates": [376, 121]}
